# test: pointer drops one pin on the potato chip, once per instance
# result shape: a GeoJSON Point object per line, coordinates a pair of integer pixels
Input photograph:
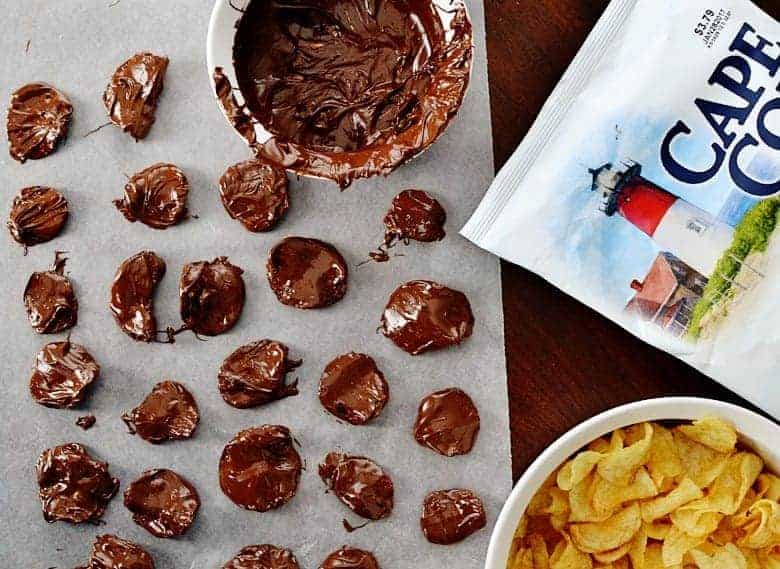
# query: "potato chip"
{"type": "Point", "coordinates": [610, 534]}
{"type": "Point", "coordinates": [607, 497]}
{"type": "Point", "coordinates": [599, 445]}
{"type": "Point", "coordinates": [712, 432]}
{"type": "Point", "coordinates": [663, 505]}
{"type": "Point", "coordinates": [541, 558]}
{"type": "Point", "coordinates": [559, 508]}
{"type": "Point", "coordinates": [768, 559]}
{"type": "Point", "coordinates": [696, 521]}
{"type": "Point", "coordinates": [762, 525]}
{"type": "Point", "coordinates": [523, 558]}
{"type": "Point", "coordinates": [620, 465]}
{"type": "Point", "coordinates": [730, 488]}
{"type": "Point", "coordinates": [610, 557]}
{"type": "Point", "coordinates": [577, 469]}
{"type": "Point", "coordinates": [727, 557]}
{"type": "Point", "coordinates": [768, 486]}
{"type": "Point", "coordinates": [657, 530]}
{"type": "Point", "coordinates": [581, 502]}
{"type": "Point", "coordinates": [637, 547]}
{"type": "Point", "coordinates": [663, 461]}
{"type": "Point", "coordinates": [566, 556]}
{"type": "Point", "coordinates": [676, 545]}
{"type": "Point", "coordinates": [654, 558]}
{"type": "Point", "coordinates": [700, 463]}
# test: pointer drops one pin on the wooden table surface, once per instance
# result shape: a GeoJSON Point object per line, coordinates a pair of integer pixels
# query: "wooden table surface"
{"type": "Point", "coordinates": [565, 362]}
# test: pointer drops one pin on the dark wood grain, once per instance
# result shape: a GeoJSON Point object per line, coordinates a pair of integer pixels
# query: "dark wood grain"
{"type": "Point", "coordinates": [565, 362]}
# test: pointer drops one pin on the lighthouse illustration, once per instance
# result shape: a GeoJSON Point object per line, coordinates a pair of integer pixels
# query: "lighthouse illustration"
{"type": "Point", "coordinates": [677, 226]}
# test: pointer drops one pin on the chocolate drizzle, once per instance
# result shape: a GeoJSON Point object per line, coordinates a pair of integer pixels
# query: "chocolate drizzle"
{"type": "Point", "coordinates": [348, 89]}
{"type": "Point", "coordinates": [62, 374]}
{"type": "Point", "coordinates": [260, 469]}
{"type": "Point", "coordinates": [450, 516]}
{"type": "Point", "coordinates": [306, 273]}
{"type": "Point", "coordinates": [111, 552]}
{"type": "Point", "coordinates": [156, 196]}
{"type": "Point", "coordinates": [348, 557]}
{"type": "Point", "coordinates": [211, 296]}
{"type": "Point", "coordinates": [359, 483]}
{"type": "Point", "coordinates": [423, 315]}
{"type": "Point", "coordinates": [169, 412]}
{"type": "Point", "coordinates": [255, 193]}
{"type": "Point", "coordinates": [263, 557]}
{"type": "Point", "coordinates": [73, 486]}
{"type": "Point", "coordinates": [38, 214]}
{"type": "Point", "coordinates": [38, 119]}
{"type": "Point", "coordinates": [162, 502]}
{"type": "Point", "coordinates": [49, 299]}
{"type": "Point", "coordinates": [353, 389]}
{"type": "Point", "coordinates": [447, 422]}
{"type": "Point", "coordinates": [255, 373]}
{"type": "Point", "coordinates": [131, 96]}
{"type": "Point", "coordinates": [132, 294]}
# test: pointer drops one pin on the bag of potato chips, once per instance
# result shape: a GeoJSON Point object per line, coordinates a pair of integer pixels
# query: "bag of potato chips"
{"type": "Point", "coordinates": [649, 186]}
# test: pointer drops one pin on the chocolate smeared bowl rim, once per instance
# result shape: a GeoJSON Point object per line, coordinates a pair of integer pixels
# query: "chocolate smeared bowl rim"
{"type": "Point", "coordinates": [341, 167]}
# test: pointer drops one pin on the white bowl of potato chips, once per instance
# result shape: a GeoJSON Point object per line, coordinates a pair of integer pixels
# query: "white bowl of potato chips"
{"type": "Point", "coordinates": [670, 483]}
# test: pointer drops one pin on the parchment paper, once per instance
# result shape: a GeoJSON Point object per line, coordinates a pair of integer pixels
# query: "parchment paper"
{"type": "Point", "coordinates": [76, 45]}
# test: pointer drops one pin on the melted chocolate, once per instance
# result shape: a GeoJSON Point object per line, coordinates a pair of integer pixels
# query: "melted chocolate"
{"type": "Point", "coordinates": [450, 516]}
{"type": "Point", "coordinates": [86, 422]}
{"type": "Point", "coordinates": [38, 215]}
{"type": "Point", "coordinates": [162, 502]}
{"type": "Point", "coordinates": [62, 373]}
{"type": "Point", "coordinates": [212, 296]}
{"type": "Point", "coordinates": [169, 412]}
{"type": "Point", "coordinates": [424, 315]}
{"type": "Point", "coordinates": [414, 215]}
{"type": "Point", "coordinates": [349, 89]}
{"type": "Point", "coordinates": [111, 552]}
{"type": "Point", "coordinates": [353, 389]}
{"type": "Point", "coordinates": [38, 119]}
{"type": "Point", "coordinates": [156, 196]}
{"type": "Point", "coordinates": [131, 96]}
{"type": "Point", "coordinates": [350, 558]}
{"type": "Point", "coordinates": [306, 273]}
{"type": "Point", "coordinates": [131, 295]}
{"type": "Point", "coordinates": [73, 486]}
{"type": "Point", "coordinates": [260, 469]}
{"type": "Point", "coordinates": [237, 114]}
{"type": "Point", "coordinates": [263, 557]}
{"type": "Point", "coordinates": [447, 422]}
{"type": "Point", "coordinates": [255, 374]}
{"type": "Point", "coordinates": [255, 193]}
{"type": "Point", "coordinates": [360, 483]}
{"type": "Point", "coordinates": [50, 301]}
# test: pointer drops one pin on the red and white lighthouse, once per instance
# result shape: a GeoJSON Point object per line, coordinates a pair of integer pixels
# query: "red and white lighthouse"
{"type": "Point", "coordinates": [688, 232]}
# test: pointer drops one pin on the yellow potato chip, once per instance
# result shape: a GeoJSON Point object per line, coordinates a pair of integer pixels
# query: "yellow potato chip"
{"type": "Point", "coordinates": [599, 445]}
{"type": "Point", "coordinates": [726, 557]}
{"type": "Point", "coordinates": [607, 497]}
{"type": "Point", "coordinates": [577, 469]}
{"type": "Point", "coordinates": [610, 534]}
{"type": "Point", "coordinates": [637, 548]}
{"type": "Point", "coordinates": [676, 545]}
{"type": "Point", "coordinates": [559, 508]}
{"type": "Point", "coordinates": [762, 525]}
{"type": "Point", "coordinates": [768, 486]}
{"type": "Point", "coordinates": [522, 559]}
{"type": "Point", "coordinates": [768, 558]}
{"type": "Point", "coordinates": [566, 556]}
{"type": "Point", "coordinates": [700, 463]}
{"type": "Point", "coordinates": [663, 461]}
{"type": "Point", "coordinates": [712, 432]}
{"type": "Point", "coordinates": [609, 557]}
{"type": "Point", "coordinates": [657, 530]}
{"type": "Point", "coordinates": [620, 465]}
{"type": "Point", "coordinates": [663, 505]}
{"type": "Point", "coordinates": [541, 558]}
{"type": "Point", "coordinates": [654, 558]}
{"type": "Point", "coordinates": [730, 488]}
{"type": "Point", "coordinates": [696, 518]}
{"type": "Point", "coordinates": [581, 502]}
{"type": "Point", "coordinates": [752, 558]}
{"type": "Point", "coordinates": [542, 499]}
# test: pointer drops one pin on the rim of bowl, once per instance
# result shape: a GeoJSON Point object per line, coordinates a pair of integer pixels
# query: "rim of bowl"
{"type": "Point", "coordinates": [222, 7]}
{"type": "Point", "coordinates": [753, 429]}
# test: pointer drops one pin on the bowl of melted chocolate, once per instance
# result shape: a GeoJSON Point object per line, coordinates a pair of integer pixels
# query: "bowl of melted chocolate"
{"type": "Point", "coordinates": [339, 89]}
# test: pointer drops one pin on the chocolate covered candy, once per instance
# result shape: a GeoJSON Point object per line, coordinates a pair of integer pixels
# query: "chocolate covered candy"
{"type": "Point", "coordinates": [263, 557]}
{"type": "Point", "coordinates": [50, 301]}
{"type": "Point", "coordinates": [255, 193]}
{"type": "Point", "coordinates": [38, 214]}
{"type": "Point", "coordinates": [360, 483]}
{"type": "Point", "coordinates": [450, 516]}
{"type": "Point", "coordinates": [211, 296]}
{"type": "Point", "coordinates": [162, 502]}
{"type": "Point", "coordinates": [38, 120]}
{"type": "Point", "coordinates": [156, 196]}
{"type": "Point", "coordinates": [132, 295]}
{"type": "Point", "coordinates": [169, 412]}
{"type": "Point", "coordinates": [62, 374]}
{"type": "Point", "coordinates": [353, 389]}
{"type": "Point", "coordinates": [447, 422]}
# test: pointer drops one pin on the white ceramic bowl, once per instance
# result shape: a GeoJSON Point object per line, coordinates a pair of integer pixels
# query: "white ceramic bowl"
{"type": "Point", "coordinates": [760, 434]}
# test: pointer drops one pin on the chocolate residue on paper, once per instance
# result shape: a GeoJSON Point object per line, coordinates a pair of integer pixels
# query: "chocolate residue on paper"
{"type": "Point", "coordinates": [414, 215]}
{"type": "Point", "coordinates": [255, 374]}
{"type": "Point", "coordinates": [447, 422]}
{"type": "Point", "coordinates": [49, 299]}
{"type": "Point", "coordinates": [38, 215]}
{"type": "Point", "coordinates": [72, 485]}
{"type": "Point", "coordinates": [306, 273]}
{"type": "Point", "coordinates": [162, 502]}
{"type": "Point", "coordinates": [349, 89]}
{"type": "Point", "coordinates": [263, 557]}
{"type": "Point", "coordinates": [353, 389]}
{"type": "Point", "coordinates": [450, 516]}
{"type": "Point", "coordinates": [38, 119]}
{"type": "Point", "coordinates": [132, 295]}
{"type": "Point", "coordinates": [156, 196]}
{"type": "Point", "coordinates": [211, 296]}
{"type": "Point", "coordinates": [131, 96]}
{"type": "Point", "coordinates": [360, 483]}
{"type": "Point", "coordinates": [111, 552]}
{"type": "Point", "coordinates": [255, 193]}
{"type": "Point", "coordinates": [350, 558]}
{"type": "Point", "coordinates": [260, 469]}
{"type": "Point", "coordinates": [62, 374]}
{"type": "Point", "coordinates": [86, 422]}
{"type": "Point", "coordinates": [169, 412]}
{"type": "Point", "coordinates": [424, 315]}
{"type": "Point", "coordinates": [350, 528]}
